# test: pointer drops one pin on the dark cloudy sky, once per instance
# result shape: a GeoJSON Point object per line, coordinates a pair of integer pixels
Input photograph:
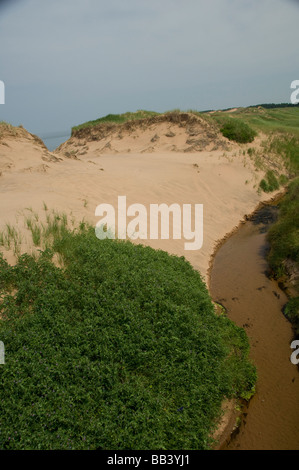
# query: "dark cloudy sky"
{"type": "Point", "coordinates": [67, 61]}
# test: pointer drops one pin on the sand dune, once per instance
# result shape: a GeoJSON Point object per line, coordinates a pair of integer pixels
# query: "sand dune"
{"type": "Point", "coordinates": [179, 132]}
{"type": "Point", "coordinates": [153, 163]}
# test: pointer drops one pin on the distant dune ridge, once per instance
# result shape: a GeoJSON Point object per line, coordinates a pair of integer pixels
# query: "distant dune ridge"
{"type": "Point", "coordinates": [174, 131]}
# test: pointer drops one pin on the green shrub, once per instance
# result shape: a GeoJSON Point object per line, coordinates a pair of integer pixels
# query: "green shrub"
{"type": "Point", "coordinates": [292, 310]}
{"type": "Point", "coordinates": [270, 182]}
{"type": "Point", "coordinates": [238, 131]}
{"type": "Point", "coordinates": [120, 349]}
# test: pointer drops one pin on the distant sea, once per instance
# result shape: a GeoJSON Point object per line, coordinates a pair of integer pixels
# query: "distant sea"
{"type": "Point", "coordinates": [52, 142]}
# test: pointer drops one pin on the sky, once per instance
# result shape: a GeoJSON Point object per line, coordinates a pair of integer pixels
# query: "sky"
{"type": "Point", "coordinates": [65, 62]}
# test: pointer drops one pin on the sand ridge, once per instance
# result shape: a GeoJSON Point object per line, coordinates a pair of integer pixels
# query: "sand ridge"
{"type": "Point", "coordinates": [179, 132]}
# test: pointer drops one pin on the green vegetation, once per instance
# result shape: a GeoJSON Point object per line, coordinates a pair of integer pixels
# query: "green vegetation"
{"type": "Point", "coordinates": [282, 126]}
{"type": "Point", "coordinates": [285, 229]}
{"type": "Point", "coordinates": [270, 182]}
{"type": "Point", "coordinates": [288, 147]}
{"type": "Point", "coordinates": [6, 127]}
{"type": "Point", "coordinates": [117, 118]}
{"type": "Point", "coordinates": [268, 121]}
{"type": "Point", "coordinates": [280, 123]}
{"type": "Point", "coordinates": [119, 349]}
{"type": "Point", "coordinates": [284, 241]}
{"type": "Point", "coordinates": [10, 238]}
{"type": "Point", "coordinates": [292, 312]}
{"type": "Point", "coordinates": [274, 105]}
{"type": "Point", "coordinates": [236, 130]}
{"type": "Point", "coordinates": [43, 235]}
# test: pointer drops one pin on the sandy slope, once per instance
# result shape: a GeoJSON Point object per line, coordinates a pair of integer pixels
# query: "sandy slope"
{"type": "Point", "coordinates": [72, 181]}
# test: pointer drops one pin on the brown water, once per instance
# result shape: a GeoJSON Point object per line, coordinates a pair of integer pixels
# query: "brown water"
{"type": "Point", "coordinates": [254, 302]}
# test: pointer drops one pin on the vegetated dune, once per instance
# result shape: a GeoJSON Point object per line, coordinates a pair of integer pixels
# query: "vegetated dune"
{"type": "Point", "coordinates": [173, 158]}
{"type": "Point", "coordinates": [174, 131]}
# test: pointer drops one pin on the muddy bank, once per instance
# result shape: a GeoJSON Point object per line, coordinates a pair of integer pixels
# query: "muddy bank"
{"type": "Point", "coordinates": [238, 280]}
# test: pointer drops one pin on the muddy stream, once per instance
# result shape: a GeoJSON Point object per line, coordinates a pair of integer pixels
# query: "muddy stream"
{"type": "Point", "coordinates": [239, 282]}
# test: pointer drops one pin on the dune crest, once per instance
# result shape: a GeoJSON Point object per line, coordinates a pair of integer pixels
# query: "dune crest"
{"type": "Point", "coordinates": [180, 132]}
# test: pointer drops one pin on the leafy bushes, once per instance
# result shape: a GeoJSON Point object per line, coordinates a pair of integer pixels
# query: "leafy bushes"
{"type": "Point", "coordinates": [236, 130]}
{"type": "Point", "coordinates": [121, 349]}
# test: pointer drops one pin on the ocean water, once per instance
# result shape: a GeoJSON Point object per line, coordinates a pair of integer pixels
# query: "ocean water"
{"type": "Point", "coordinates": [52, 142]}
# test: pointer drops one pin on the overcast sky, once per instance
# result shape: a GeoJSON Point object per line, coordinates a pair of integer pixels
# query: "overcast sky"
{"type": "Point", "coordinates": [64, 62]}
